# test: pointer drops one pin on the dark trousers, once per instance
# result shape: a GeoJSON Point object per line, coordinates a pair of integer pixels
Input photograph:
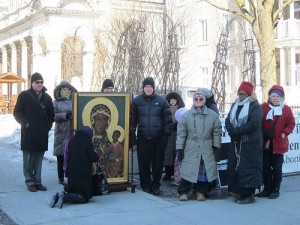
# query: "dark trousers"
{"type": "Point", "coordinates": [272, 169]}
{"type": "Point", "coordinates": [60, 167]}
{"type": "Point", "coordinates": [185, 187]}
{"type": "Point", "coordinates": [169, 170]}
{"type": "Point", "coordinates": [150, 158]}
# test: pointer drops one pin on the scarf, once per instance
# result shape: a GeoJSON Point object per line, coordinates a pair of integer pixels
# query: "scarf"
{"type": "Point", "coordinates": [64, 94]}
{"type": "Point", "coordinates": [274, 111]}
{"type": "Point", "coordinates": [243, 116]}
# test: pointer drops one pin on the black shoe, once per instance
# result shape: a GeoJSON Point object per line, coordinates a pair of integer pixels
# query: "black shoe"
{"type": "Point", "coordinates": [54, 200]}
{"type": "Point", "coordinates": [40, 187]}
{"type": "Point", "coordinates": [156, 191]}
{"type": "Point", "coordinates": [166, 177]}
{"type": "Point", "coordinates": [147, 190]}
{"type": "Point", "coordinates": [61, 181]}
{"type": "Point", "coordinates": [31, 188]}
{"type": "Point", "coordinates": [274, 195]}
{"type": "Point", "coordinates": [246, 200]}
{"type": "Point", "coordinates": [263, 194]}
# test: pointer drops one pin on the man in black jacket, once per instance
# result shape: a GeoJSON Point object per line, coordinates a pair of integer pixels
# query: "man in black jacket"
{"type": "Point", "coordinates": [34, 111]}
{"type": "Point", "coordinates": [151, 116]}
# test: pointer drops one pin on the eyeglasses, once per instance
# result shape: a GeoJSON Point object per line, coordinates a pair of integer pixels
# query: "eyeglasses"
{"type": "Point", "coordinates": [198, 99]}
{"type": "Point", "coordinates": [241, 94]}
{"type": "Point", "coordinates": [39, 82]}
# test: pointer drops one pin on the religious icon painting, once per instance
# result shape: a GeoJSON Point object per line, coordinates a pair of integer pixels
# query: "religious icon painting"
{"type": "Point", "coordinates": [108, 115]}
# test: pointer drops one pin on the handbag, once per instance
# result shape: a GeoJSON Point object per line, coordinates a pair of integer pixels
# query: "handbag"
{"type": "Point", "coordinates": [100, 183]}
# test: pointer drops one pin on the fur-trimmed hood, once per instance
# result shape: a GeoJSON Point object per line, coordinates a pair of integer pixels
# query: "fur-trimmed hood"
{"type": "Point", "coordinates": [56, 92]}
{"type": "Point", "coordinates": [176, 96]}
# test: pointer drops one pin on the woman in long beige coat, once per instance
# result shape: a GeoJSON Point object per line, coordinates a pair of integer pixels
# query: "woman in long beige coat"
{"type": "Point", "coordinates": [198, 136]}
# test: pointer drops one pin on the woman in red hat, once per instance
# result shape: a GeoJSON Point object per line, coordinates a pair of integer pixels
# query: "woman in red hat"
{"type": "Point", "coordinates": [277, 123]}
{"type": "Point", "coordinates": [243, 124]}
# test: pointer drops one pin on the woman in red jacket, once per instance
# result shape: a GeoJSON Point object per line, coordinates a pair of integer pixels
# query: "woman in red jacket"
{"type": "Point", "coordinates": [277, 123]}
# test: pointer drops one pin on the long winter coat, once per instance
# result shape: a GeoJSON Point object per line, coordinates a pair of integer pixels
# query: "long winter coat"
{"type": "Point", "coordinates": [81, 155]}
{"type": "Point", "coordinates": [197, 133]}
{"type": "Point", "coordinates": [62, 124]}
{"type": "Point", "coordinates": [170, 150]}
{"type": "Point", "coordinates": [36, 120]}
{"type": "Point", "coordinates": [284, 124]}
{"type": "Point", "coordinates": [248, 140]}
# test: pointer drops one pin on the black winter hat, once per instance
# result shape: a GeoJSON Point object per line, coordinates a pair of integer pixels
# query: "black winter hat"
{"type": "Point", "coordinates": [107, 83]}
{"type": "Point", "coordinates": [35, 77]}
{"type": "Point", "coordinates": [149, 81]}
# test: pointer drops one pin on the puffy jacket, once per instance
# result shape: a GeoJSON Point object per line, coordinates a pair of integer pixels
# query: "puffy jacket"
{"type": "Point", "coordinates": [152, 116]}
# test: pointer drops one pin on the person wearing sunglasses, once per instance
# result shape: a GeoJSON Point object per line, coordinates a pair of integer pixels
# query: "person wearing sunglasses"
{"type": "Point", "coordinates": [243, 124]}
{"type": "Point", "coordinates": [198, 134]}
{"type": "Point", "coordinates": [34, 111]}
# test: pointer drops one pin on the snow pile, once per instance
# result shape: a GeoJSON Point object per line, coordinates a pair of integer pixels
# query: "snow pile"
{"type": "Point", "coordinates": [10, 133]}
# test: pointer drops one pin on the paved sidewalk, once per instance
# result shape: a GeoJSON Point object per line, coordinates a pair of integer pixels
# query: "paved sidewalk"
{"type": "Point", "coordinates": [139, 208]}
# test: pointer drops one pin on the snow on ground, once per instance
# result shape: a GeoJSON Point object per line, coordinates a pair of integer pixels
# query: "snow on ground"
{"type": "Point", "coordinates": [10, 135]}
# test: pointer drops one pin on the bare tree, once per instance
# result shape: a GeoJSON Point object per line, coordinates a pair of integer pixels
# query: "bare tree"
{"type": "Point", "coordinates": [146, 45]}
{"type": "Point", "coordinates": [263, 16]}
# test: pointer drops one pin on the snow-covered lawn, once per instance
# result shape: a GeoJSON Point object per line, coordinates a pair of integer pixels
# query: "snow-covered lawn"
{"type": "Point", "coordinates": [10, 134]}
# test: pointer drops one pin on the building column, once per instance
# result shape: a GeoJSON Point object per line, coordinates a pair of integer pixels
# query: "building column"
{"type": "Point", "coordinates": [24, 70]}
{"type": "Point", "coordinates": [282, 67]}
{"type": "Point", "coordinates": [293, 66]}
{"type": "Point", "coordinates": [4, 59]}
{"type": "Point", "coordinates": [292, 11]}
{"type": "Point", "coordinates": [14, 62]}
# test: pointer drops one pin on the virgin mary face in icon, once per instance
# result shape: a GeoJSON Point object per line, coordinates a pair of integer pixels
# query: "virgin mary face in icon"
{"type": "Point", "coordinates": [100, 119]}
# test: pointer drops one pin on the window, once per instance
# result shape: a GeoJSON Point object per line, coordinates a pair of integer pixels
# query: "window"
{"type": "Point", "coordinates": [203, 30]}
{"type": "Point", "coordinates": [182, 35]}
{"type": "Point", "coordinates": [72, 58]}
{"type": "Point", "coordinates": [297, 10]}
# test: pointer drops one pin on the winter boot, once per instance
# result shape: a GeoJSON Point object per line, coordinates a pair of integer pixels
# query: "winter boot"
{"type": "Point", "coordinates": [60, 201]}
{"type": "Point", "coordinates": [265, 193]}
{"type": "Point", "coordinates": [275, 192]}
{"type": "Point", "coordinates": [267, 187]}
{"type": "Point", "coordinates": [54, 200]}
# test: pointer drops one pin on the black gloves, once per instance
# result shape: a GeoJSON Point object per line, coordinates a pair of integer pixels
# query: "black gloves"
{"type": "Point", "coordinates": [68, 115]}
{"type": "Point", "coordinates": [217, 153]}
{"type": "Point", "coordinates": [180, 154]}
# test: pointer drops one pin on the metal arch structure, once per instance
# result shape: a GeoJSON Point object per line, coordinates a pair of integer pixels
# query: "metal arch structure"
{"type": "Point", "coordinates": [172, 66]}
{"type": "Point", "coordinates": [129, 61]}
{"type": "Point", "coordinates": [249, 73]}
{"type": "Point", "coordinates": [220, 67]}
{"type": "Point", "coordinates": [128, 66]}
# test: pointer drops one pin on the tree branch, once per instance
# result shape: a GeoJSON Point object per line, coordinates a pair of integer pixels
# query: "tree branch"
{"type": "Point", "coordinates": [276, 15]}
{"type": "Point", "coordinates": [240, 3]}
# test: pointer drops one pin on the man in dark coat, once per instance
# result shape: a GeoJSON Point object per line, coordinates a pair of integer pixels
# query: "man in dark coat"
{"type": "Point", "coordinates": [152, 115]}
{"type": "Point", "coordinates": [34, 111]}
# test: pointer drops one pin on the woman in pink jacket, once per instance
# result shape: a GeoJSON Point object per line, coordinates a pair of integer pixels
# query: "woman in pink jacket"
{"type": "Point", "coordinates": [277, 123]}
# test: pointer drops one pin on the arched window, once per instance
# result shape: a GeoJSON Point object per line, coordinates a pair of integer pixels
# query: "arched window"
{"type": "Point", "coordinates": [71, 58]}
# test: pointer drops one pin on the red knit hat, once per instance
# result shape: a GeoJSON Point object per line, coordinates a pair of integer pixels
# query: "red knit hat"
{"type": "Point", "coordinates": [277, 89]}
{"type": "Point", "coordinates": [247, 87]}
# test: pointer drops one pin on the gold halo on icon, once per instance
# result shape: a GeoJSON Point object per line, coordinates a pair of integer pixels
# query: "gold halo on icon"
{"type": "Point", "coordinates": [114, 117]}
